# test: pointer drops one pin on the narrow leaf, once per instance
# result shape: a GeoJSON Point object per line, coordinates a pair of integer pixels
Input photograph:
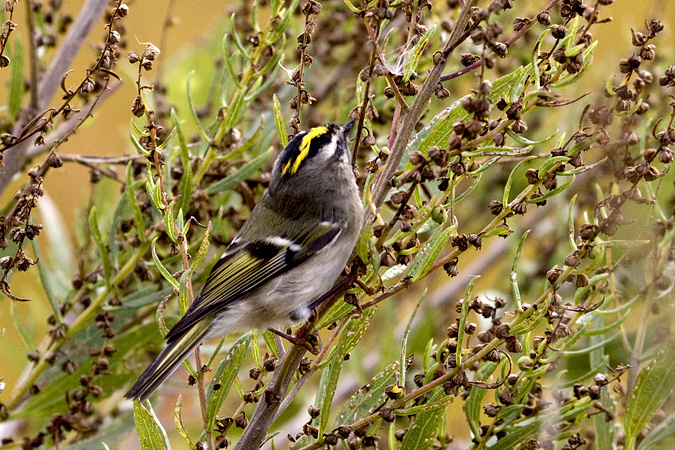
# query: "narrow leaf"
{"type": "Point", "coordinates": [654, 385]}
{"type": "Point", "coordinates": [98, 239]}
{"type": "Point", "coordinates": [279, 121]}
{"type": "Point", "coordinates": [151, 434]}
{"type": "Point", "coordinates": [224, 377]}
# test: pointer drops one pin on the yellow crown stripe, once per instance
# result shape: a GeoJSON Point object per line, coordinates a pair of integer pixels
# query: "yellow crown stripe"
{"type": "Point", "coordinates": [304, 148]}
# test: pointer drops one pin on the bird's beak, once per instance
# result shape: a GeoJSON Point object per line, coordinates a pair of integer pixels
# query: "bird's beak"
{"type": "Point", "coordinates": [348, 126]}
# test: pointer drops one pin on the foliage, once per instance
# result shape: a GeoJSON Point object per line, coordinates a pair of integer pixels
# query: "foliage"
{"type": "Point", "coordinates": [478, 152]}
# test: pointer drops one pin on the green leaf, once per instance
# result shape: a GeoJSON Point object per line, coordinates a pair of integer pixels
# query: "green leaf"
{"type": "Point", "coordinates": [178, 422]}
{"type": "Point", "coordinates": [278, 31]}
{"type": "Point", "coordinates": [472, 406]}
{"type": "Point", "coordinates": [550, 164]}
{"type": "Point", "coordinates": [274, 62]}
{"type": "Point", "coordinates": [136, 213]}
{"type": "Point", "coordinates": [585, 65]}
{"type": "Point", "coordinates": [351, 335]}
{"type": "Point", "coordinates": [16, 81]}
{"type": "Point", "coordinates": [98, 239]}
{"type": "Point", "coordinates": [369, 397]}
{"type": "Point", "coordinates": [45, 279]}
{"type": "Point", "coordinates": [581, 169]}
{"type": "Point", "coordinates": [515, 435]}
{"type": "Point", "coordinates": [493, 150]}
{"type": "Point", "coordinates": [607, 328]}
{"type": "Point", "coordinates": [151, 434]}
{"type": "Point", "coordinates": [248, 145]}
{"type": "Point", "coordinates": [509, 181]}
{"type": "Point", "coordinates": [551, 193]}
{"type": "Point", "coordinates": [654, 385]}
{"type": "Point", "coordinates": [426, 257]}
{"type": "Point", "coordinates": [425, 425]}
{"type": "Point", "coordinates": [522, 140]}
{"type": "Point", "coordinates": [351, 7]}
{"type": "Point", "coordinates": [533, 320]}
{"type": "Point", "coordinates": [228, 64]}
{"type": "Point", "coordinates": [416, 54]}
{"type": "Point", "coordinates": [162, 270]}
{"type": "Point", "coordinates": [246, 171]}
{"type": "Point", "coordinates": [203, 248]}
{"type": "Point", "coordinates": [404, 341]}
{"type": "Point", "coordinates": [660, 432]}
{"type": "Point", "coordinates": [138, 145]}
{"type": "Point", "coordinates": [235, 38]}
{"type": "Point", "coordinates": [255, 350]}
{"type": "Point", "coordinates": [268, 337]}
{"type": "Point", "coordinates": [224, 377]}
{"type": "Point", "coordinates": [279, 121]}
{"type": "Point", "coordinates": [235, 109]}
{"type": "Point", "coordinates": [193, 111]}
{"type": "Point", "coordinates": [514, 270]}
{"type": "Point", "coordinates": [326, 390]}
{"type": "Point", "coordinates": [363, 244]}
{"type": "Point", "coordinates": [185, 186]}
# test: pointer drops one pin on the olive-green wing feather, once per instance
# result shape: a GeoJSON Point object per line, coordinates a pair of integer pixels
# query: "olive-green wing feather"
{"type": "Point", "coordinates": [246, 266]}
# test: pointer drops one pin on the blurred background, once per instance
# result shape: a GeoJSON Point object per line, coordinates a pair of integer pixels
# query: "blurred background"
{"type": "Point", "coordinates": [193, 25]}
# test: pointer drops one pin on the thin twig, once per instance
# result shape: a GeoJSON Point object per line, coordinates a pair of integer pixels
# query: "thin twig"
{"type": "Point", "coordinates": [517, 35]}
{"type": "Point", "coordinates": [34, 64]}
{"type": "Point", "coordinates": [409, 120]}
{"type": "Point", "coordinates": [65, 129]}
{"type": "Point", "coordinates": [49, 83]}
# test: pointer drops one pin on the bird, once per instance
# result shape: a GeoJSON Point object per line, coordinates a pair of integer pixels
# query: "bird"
{"type": "Point", "coordinates": [289, 252]}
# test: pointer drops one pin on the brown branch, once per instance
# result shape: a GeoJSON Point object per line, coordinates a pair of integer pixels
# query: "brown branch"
{"type": "Point", "coordinates": [409, 120]}
{"type": "Point", "coordinates": [517, 35]}
{"type": "Point", "coordinates": [269, 404]}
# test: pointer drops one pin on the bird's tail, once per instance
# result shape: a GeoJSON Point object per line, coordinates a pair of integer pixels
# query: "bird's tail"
{"type": "Point", "coordinates": [177, 349]}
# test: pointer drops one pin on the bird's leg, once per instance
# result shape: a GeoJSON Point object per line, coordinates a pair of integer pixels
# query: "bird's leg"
{"type": "Point", "coordinates": [312, 347]}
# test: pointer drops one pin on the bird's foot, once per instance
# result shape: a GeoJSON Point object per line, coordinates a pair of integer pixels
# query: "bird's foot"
{"type": "Point", "coordinates": [310, 342]}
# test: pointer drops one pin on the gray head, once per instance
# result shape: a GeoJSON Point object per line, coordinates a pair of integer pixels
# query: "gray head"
{"type": "Point", "coordinates": [313, 160]}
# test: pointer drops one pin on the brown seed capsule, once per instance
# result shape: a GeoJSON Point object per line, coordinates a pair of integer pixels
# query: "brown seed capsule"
{"type": "Point", "coordinates": [579, 390]}
{"type": "Point", "coordinates": [513, 345]}
{"type": "Point", "coordinates": [241, 421]}
{"type": "Point", "coordinates": [453, 330]}
{"type": "Point", "coordinates": [532, 176]}
{"type": "Point", "coordinates": [496, 207]}
{"type": "Point", "coordinates": [582, 280]}
{"type": "Point", "coordinates": [588, 232]}
{"type": "Point", "coordinates": [572, 260]}
{"type": "Point", "coordinates": [417, 157]}
{"type": "Point", "coordinates": [388, 258]}
{"type": "Point", "coordinates": [519, 208]}
{"type": "Point", "coordinates": [451, 269]}
{"type": "Point", "coordinates": [490, 410]}
{"type": "Point", "coordinates": [552, 275]}
{"type": "Point", "coordinates": [544, 18]}
{"type": "Point", "coordinates": [313, 411]}
{"type": "Point", "coordinates": [505, 396]}
{"type": "Point", "coordinates": [502, 331]}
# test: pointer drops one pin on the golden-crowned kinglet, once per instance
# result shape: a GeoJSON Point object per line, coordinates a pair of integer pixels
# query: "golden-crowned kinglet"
{"type": "Point", "coordinates": [289, 252]}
